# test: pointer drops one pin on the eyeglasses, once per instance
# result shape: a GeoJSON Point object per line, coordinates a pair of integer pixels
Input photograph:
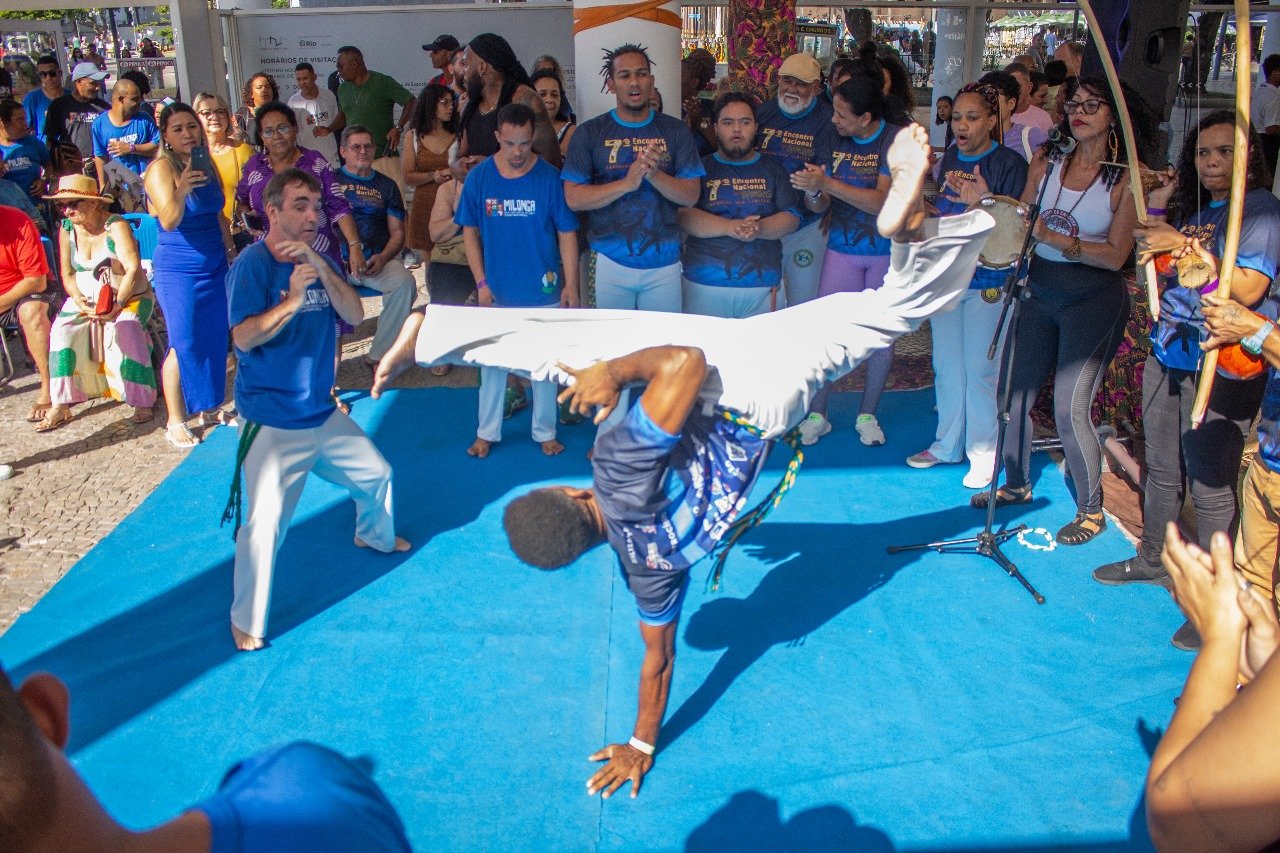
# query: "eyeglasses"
{"type": "Point", "coordinates": [366, 146]}
{"type": "Point", "coordinates": [278, 130]}
{"type": "Point", "coordinates": [1088, 107]}
{"type": "Point", "coordinates": [212, 113]}
{"type": "Point", "coordinates": [50, 74]}
{"type": "Point", "coordinates": [70, 206]}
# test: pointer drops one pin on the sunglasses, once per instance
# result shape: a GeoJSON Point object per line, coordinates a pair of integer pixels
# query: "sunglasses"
{"type": "Point", "coordinates": [50, 74]}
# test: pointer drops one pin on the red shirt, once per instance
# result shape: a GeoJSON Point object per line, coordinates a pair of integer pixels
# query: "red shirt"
{"type": "Point", "coordinates": [21, 253]}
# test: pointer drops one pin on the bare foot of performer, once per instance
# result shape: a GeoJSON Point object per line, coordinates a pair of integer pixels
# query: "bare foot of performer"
{"type": "Point", "coordinates": [479, 448]}
{"type": "Point", "coordinates": [908, 160]}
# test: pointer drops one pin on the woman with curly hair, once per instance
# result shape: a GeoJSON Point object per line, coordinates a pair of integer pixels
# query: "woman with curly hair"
{"type": "Point", "coordinates": [1074, 319]}
{"type": "Point", "coordinates": [1191, 209]}
{"type": "Point", "coordinates": [259, 90]}
{"type": "Point", "coordinates": [424, 159]}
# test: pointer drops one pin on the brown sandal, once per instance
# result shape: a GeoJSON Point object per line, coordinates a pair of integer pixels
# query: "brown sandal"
{"type": "Point", "coordinates": [54, 418]}
{"type": "Point", "coordinates": [1082, 528]}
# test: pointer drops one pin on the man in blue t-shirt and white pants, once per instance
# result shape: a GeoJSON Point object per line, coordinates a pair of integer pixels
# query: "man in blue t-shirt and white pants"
{"type": "Point", "coordinates": [629, 170]}
{"type": "Point", "coordinates": [522, 247]}
{"type": "Point", "coordinates": [283, 299]}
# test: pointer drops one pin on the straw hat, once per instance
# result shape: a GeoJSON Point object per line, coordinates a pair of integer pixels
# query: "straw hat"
{"type": "Point", "coordinates": [78, 188]}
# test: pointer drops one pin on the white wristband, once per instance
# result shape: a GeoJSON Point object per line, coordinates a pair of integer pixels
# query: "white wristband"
{"type": "Point", "coordinates": [646, 748]}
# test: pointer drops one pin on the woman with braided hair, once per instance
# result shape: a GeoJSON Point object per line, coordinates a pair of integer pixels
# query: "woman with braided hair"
{"type": "Point", "coordinates": [977, 165]}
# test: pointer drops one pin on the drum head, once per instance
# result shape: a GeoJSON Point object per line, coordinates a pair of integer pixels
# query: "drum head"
{"type": "Point", "coordinates": [1003, 244]}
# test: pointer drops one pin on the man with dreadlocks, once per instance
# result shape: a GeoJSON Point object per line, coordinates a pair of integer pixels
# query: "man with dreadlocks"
{"type": "Point", "coordinates": [672, 475]}
{"type": "Point", "coordinates": [628, 170]}
{"type": "Point", "coordinates": [494, 79]}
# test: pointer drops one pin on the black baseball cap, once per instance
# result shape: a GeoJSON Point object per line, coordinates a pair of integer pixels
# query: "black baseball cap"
{"type": "Point", "coordinates": [445, 42]}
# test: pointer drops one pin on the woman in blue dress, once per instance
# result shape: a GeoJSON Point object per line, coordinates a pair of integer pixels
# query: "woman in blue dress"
{"type": "Point", "coordinates": [190, 268]}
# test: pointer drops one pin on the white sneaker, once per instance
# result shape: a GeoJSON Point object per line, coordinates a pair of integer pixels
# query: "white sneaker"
{"type": "Point", "coordinates": [976, 479]}
{"type": "Point", "coordinates": [813, 428]}
{"type": "Point", "coordinates": [869, 430]}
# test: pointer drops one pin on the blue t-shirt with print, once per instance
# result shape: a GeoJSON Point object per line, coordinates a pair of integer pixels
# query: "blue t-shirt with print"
{"type": "Point", "coordinates": [795, 139]}
{"type": "Point", "coordinates": [23, 160]}
{"type": "Point", "coordinates": [520, 220]}
{"type": "Point", "coordinates": [858, 163]}
{"type": "Point", "coordinates": [372, 200]}
{"type": "Point", "coordinates": [36, 105]}
{"type": "Point", "coordinates": [639, 229]}
{"type": "Point", "coordinates": [302, 798]}
{"type": "Point", "coordinates": [139, 130]}
{"type": "Point", "coordinates": [760, 187]}
{"type": "Point", "coordinates": [1005, 173]}
{"type": "Point", "coordinates": [284, 382]}
{"type": "Point", "coordinates": [668, 499]}
{"type": "Point", "coordinates": [1175, 339]}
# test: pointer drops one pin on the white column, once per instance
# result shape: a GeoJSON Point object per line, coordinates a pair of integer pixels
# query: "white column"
{"type": "Point", "coordinates": [197, 36]}
{"type": "Point", "coordinates": [660, 39]}
{"type": "Point", "coordinates": [951, 64]}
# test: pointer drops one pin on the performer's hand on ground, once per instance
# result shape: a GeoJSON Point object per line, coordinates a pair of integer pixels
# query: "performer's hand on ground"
{"type": "Point", "coordinates": [592, 386]}
{"type": "Point", "coordinates": [399, 357]}
{"type": "Point", "coordinates": [1206, 586]}
{"type": "Point", "coordinates": [625, 764]}
{"type": "Point", "coordinates": [1227, 321]}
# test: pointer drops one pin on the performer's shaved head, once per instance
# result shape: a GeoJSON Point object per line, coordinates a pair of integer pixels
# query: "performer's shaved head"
{"type": "Point", "coordinates": [549, 528]}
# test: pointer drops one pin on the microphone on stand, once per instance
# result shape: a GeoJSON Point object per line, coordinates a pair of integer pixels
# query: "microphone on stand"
{"type": "Point", "coordinates": [1064, 143]}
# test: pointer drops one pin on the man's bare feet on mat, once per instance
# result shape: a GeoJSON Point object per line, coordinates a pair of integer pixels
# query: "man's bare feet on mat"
{"type": "Point", "coordinates": [399, 357]}
{"type": "Point", "coordinates": [246, 642]}
{"type": "Point", "coordinates": [401, 544]}
{"type": "Point", "coordinates": [551, 448]}
{"type": "Point", "coordinates": [480, 449]}
{"type": "Point", "coordinates": [908, 161]}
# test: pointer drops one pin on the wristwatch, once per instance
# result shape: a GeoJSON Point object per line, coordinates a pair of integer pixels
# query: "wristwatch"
{"type": "Point", "coordinates": [1253, 343]}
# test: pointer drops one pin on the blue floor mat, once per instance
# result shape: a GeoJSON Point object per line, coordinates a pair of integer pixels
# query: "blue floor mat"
{"type": "Point", "coordinates": [831, 696]}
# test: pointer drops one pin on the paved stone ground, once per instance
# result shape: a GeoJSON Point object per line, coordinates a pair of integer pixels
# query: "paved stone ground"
{"type": "Point", "coordinates": [73, 485]}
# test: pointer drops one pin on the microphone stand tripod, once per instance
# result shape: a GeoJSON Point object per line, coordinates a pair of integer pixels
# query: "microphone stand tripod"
{"type": "Point", "coordinates": [987, 543]}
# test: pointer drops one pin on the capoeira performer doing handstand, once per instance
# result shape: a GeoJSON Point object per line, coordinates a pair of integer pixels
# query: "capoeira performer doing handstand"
{"type": "Point", "coordinates": [671, 477]}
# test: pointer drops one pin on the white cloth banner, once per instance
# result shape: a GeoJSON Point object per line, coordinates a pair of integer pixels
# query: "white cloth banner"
{"type": "Point", "coordinates": [766, 367]}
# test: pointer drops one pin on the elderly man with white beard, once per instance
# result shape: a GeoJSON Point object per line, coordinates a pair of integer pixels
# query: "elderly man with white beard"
{"type": "Point", "coordinates": [790, 126]}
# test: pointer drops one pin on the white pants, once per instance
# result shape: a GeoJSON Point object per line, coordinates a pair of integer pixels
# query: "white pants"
{"type": "Point", "coordinates": [802, 254]}
{"type": "Point", "coordinates": [965, 383]}
{"type": "Point", "coordinates": [767, 367]}
{"type": "Point", "coordinates": [626, 289]}
{"type": "Point", "coordinates": [395, 283]}
{"type": "Point", "coordinates": [735, 302]}
{"type": "Point", "coordinates": [275, 470]}
{"type": "Point", "coordinates": [493, 388]}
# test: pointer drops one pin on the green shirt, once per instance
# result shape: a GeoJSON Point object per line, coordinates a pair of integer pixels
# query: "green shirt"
{"type": "Point", "coordinates": [372, 104]}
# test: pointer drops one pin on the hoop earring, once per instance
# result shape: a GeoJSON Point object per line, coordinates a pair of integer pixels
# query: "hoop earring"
{"type": "Point", "coordinates": [1113, 144]}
